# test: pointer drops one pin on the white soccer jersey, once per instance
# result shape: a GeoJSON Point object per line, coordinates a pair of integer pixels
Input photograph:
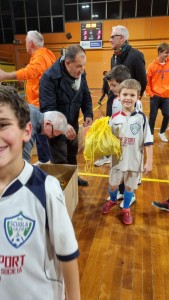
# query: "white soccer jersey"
{"type": "Point", "coordinates": [116, 106]}
{"type": "Point", "coordinates": [36, 233]}
{"type": "Point", "coordinates": [134, 133]}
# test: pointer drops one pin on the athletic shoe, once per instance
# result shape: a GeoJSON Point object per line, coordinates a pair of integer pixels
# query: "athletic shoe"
{"type": "Point", "coordinates": [162, 205]}
{"type": "Point", "coordinates": [82, 182]}
{"type": "Point", "coordinates": [119, 196]}
{"type": "Point", "coordinates": [133, 199]}
{"type": "Point", "coordinates": [39, 162]}
{"type": "Point", "coordinates": [139, 181]}
{"type": "Point", "coordinates": [163, 137]}
{"type": "Point", "coordinates": [104, 160]}
{"type": "Point", "coordinates": [107, 206]}
{"type": "Point", "coordinates": [127, 218]}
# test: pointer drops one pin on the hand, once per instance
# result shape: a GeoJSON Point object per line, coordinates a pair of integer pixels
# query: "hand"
{"type": "Point", "coordinates": [88, 121]}
{"type": "Point", "coordinates": [70, 133]}
{"type": "Point", "coordinates": [147, 168]}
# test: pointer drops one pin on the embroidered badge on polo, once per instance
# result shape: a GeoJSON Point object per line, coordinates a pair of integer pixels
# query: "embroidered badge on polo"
{"type": "Point", "coordinates": [135, 128]}
{"type": "Point", "coordinates": [18, 229]}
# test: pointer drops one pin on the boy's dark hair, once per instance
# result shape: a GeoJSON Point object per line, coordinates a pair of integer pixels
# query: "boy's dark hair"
{"type": "Point", "coordinates": [9, 96]}
{"type": "Point", "coordinates": [130, 84]}
{"type": "Point", "coordinates": [119, 73]}
{"type": "Point", "coordinates": [162, 47]}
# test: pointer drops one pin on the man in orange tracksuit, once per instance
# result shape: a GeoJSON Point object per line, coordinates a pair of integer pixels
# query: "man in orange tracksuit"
{"type": "Point", "coordinates": [41, 60]}
{"type": "Point", "coordinates": [158, 89]}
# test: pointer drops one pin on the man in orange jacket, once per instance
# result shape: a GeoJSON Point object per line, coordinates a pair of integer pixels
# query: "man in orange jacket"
{"type": "Point", "coordinates": [158, 89]}
{"type": "Point", "coordinates": [41, 59]}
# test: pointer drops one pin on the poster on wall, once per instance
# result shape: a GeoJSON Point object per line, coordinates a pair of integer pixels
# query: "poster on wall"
{"type": "Point", "coordinates": [91, 35]}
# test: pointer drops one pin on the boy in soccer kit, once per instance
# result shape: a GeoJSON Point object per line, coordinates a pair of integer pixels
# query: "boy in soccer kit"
{"type": "Point", "coordinates": [115, 77]}
{"type": "Point", "coordinates": [38, 253]}
{"type": "Point", "coordinates": [132, 128]}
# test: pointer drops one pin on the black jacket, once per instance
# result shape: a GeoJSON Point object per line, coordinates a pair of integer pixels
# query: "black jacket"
{"type": "Point", "coordinates": [56, 94]}
{"type": "Point", "coordinates": [134, 60]}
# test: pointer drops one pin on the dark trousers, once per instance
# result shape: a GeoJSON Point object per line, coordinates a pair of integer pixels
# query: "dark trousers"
{"type": "Point", "coordinates": [42, 148]}
{"type": "Point", "coordinates": [102, 96]}
{"type": "Point", "coordinates": [111, 97]}
{"type": "Point", "coordinates": [157, 103]}
{"type": "Point", "coordinates": [63, 151]}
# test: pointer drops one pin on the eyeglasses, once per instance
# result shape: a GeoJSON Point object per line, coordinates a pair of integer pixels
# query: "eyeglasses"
{"type": "Point", "coordinates": [113, 36]}
{"type": "Point", "coordinates": [52, 130]}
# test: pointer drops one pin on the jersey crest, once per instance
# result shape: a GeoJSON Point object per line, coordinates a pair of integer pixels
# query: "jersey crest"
{"type": "Point", "coordinates": [135, 128]}
{"type": "Point", "coordinates": [18, 229]}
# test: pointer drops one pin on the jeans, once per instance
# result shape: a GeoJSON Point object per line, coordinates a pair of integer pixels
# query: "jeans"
{"type": "Point", "coordinates": [42, 148]}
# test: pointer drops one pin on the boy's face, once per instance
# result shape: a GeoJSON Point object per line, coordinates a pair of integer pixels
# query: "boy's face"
{"type": "Point", "coordinates": [11, 138]}
{"type": "Point", "coordinates": [128, 98]}
{"type": "Point", "coordinates": [114, 86]}
{"type": "Point", "coordinates": [163, 56]}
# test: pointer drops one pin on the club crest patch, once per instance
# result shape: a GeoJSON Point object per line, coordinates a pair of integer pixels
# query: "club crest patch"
{"type": "Point", "coordinates": [135, 128]}
{"type": "Point", "coordinates": [18, 229]}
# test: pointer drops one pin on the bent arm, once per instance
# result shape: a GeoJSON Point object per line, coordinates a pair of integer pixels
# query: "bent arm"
{"type": "Point", "coordinates": [71, 279]}
{"type": "Point", "coordinates": [149, 159]}
{"type": "Point", "coordinates": [7, 75]}
{"type": "Point", "coordinates": [149, 91]}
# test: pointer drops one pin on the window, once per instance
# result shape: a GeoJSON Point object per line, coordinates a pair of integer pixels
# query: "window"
{"type": "Point", "coordinates": [5, 5]}
{"type": "Point", "coordinates": [113, 10]}
{"type": "Point", "coordinates": [71, 13]}
{"type": "Point", "coordinates": [44, 8]}
{"type": "Point", "coordinates": [1, 37]}
{"type": "Point", "coordinates": [8, 36]}
{"type": "Point", "coordinates": [128, 8]}
{"type": "Point", "coordinates": [84, 2]}
{"type": "Point", "coordinates": [58, 25]}
{"type": "Point", "coordinates": [99, 10]}
{"type": "Point", "coordinates": [18, 7]}
{"type": "Point", "coordinates": [6, 21]}
{"type": "Point", "coordinates": [57, 8]}
{"type": "Point", "coordinates": [20, 26]}
{"type": "Point", "coordinates": [45, 24]}
{"type": "Point", "coordinates": [31, 8]}
{"type": "Point", "coordinates": [84, 12]}
{"type": "Point", "coordinates": [159, 8]}
{"type": "Point", "coordinates": [143, 8]}
{"type": "Point", "coordinates": [32, 24]}
{"type": "Point", "coordinates": [70, 1]}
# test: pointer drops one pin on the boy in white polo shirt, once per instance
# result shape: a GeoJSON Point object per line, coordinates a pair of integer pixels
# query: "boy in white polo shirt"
{"type": "Point", "coordinates": [38, 257]}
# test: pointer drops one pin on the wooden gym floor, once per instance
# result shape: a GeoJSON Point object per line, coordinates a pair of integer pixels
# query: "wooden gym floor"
{"type": "Point", "coordinates": [119, 262]}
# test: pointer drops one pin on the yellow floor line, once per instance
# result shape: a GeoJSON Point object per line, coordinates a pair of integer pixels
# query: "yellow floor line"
{"type": "Point", "coordinates": [107, 176]}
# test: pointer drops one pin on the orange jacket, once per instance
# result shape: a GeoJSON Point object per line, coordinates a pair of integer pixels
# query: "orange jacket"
{"type": "Point", "coordinates": [40, 61]}
{"type": "Point", "coordinates": [158, 79]}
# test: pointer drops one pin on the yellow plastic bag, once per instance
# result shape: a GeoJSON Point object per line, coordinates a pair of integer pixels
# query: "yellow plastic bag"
{"type": "Point", "coordinates": [100, 142]}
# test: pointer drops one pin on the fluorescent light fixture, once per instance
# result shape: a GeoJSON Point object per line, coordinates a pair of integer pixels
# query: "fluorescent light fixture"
{"type": "Point", "coordinates": [85, 6]}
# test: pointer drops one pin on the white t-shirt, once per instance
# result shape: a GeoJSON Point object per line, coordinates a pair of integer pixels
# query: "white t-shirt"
{"type": "Point", "coordinates": [134, 133]}
{"type": "Point", "coordinates": [36, 233]}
